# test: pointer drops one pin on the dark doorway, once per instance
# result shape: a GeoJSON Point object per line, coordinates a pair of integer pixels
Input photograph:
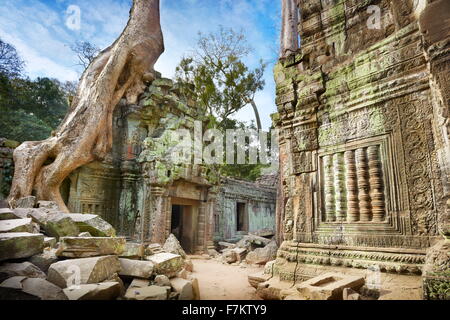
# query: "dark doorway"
{"type": "Point", "coordinates": [241, 217]}
{"type": "Point", "coordinates": [175, 228]}
{"type": "Point", "coordinates": [182, 226]}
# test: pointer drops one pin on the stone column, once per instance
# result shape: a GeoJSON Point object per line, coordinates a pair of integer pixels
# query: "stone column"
{"type": "Point", "coordinates": [210, 223]}
{"type": "Point", "coordinates": [363, 185]}
{"type": "Point", "coordinates": [376, 184]}
{"type": "Point", "coordinates": [154, 215]}
{"type": "Point", "coordinates": [201, 227]}
{"type": "Point", "coordinates": [329, 189]}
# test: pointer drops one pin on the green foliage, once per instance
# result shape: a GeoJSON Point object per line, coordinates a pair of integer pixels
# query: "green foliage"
{"type": "Point", "coordinates": [30, 109]}
{"type": "Point", "coordinates": [216, 76]}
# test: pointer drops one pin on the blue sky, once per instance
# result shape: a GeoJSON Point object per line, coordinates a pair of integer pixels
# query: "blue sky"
{"type": "Point", "coordinates": [42, 33]}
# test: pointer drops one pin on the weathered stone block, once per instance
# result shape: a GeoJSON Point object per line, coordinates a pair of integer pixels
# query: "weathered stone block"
{"type": "Point", "coordinates": [60, 225]}
{"type": "Point", "coordinates": [17, 225]}
{"type": "Point", "coordinates": [93, 224]}
{"type": "Point", "coordinates": [83, 271]}
{"type": "Point", "coordinates": [45, 259]}
{"type": "Point", "coordinates": [75, 247]}
{"type": "Point", "coordinates": [136, 268]}
{"type": "Point", "coordinates": [162, 280]}
{"type": "Point", "coordinates": [133, 251]}
{"type": "Point", "coordinates": [172, 245]}
{"type": "Point", "coordinates": [26, 202]}
{"type": "Point", "coordinates": [329, 286]}
{"type": "Point", "coordinates": [24, 269]}
{"type": "Point", "coordinates": [96, 291]}
{"type": "Point", "coordinates": [262, 255]}
{"type": "Point", "coordinates": [183, 288]}
{"type": "Point", "coordinates": [20, 245]}
{"type": "Point", "coordinates": [166, 263]}
{"type": "Point", "coordinates": [139, 283]}
{"type": "Point", "coordinates": [257, 278]}
{"type": "Point", "coordinates": [7, 214]}
{"type": "Point", "coordinates": [147, 293]}
{"type": "Point", "coordinates": [23, 288]}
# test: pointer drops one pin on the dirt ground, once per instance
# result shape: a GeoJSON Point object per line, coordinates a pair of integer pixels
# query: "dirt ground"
{"type": "Point", "coordinates": [218, 281]}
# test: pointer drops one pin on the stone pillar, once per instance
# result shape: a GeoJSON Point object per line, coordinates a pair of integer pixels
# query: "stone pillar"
{"type": "Point", "coordinates": [210, 223]}
{"type": "Point", "coordinates": [154, 215]}
{"type": "Point", "coordinates": [363, 185]}
{"type": "Point", "coordinates": [376, 184]}
{"type": "Point", "coordinates": [329, 189]}
{"type": "Point", "coordinates": [201, 227]}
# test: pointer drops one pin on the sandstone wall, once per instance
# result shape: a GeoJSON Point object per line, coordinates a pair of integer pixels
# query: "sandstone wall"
{"type": "Point", "coordinates": [364, 142]}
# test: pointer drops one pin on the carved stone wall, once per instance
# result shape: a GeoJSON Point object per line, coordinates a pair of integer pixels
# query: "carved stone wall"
{"type": "Point", "coordinates": [6, 166]}
{"type": "Point", "coordinates": [364, 148]}
{"type": "Point", "coordinates": [134, 188]}
{"type": "Point", "coordinates": [259, 202]}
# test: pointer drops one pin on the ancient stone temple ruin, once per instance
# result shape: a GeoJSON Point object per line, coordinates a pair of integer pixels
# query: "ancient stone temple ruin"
{"type": "Point", "coordinates": [244, 207]}
{"type": "Point", "coordinates": [146, 196]}
{"type": "Point", "coordinates": [363, 103]}
{"type": "Point", "coordinates": [139, 189]}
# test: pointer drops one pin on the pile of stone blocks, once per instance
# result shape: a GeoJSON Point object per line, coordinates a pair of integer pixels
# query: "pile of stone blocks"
{"type": "Point", "coordinates": [250, 250]}
{"type": "Point", "coordinates": [46, 254]}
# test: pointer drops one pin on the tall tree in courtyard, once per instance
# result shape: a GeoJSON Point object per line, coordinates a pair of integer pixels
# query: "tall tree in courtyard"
{"type": "Point", "coordinates": [221, 82]}
{"type": "Point", "coordinates": [85, 134]}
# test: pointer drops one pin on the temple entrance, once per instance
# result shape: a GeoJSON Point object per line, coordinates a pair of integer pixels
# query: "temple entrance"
{"type": "Point", "coordinates": [182, 226]}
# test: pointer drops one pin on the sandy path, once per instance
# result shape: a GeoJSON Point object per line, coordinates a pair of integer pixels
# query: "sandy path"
{"type": "Point", "coordinates": [218, 281]}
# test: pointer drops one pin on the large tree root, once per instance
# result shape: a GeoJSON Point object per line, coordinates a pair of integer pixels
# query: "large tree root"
{"type": "Point", "coordinates": [86, 132]}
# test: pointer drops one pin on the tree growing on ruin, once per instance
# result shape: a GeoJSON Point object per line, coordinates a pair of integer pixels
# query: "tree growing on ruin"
{"type": "Point", "coordinates": [221, 82]}
{"type": "Point", "coordinates": [85, 134]}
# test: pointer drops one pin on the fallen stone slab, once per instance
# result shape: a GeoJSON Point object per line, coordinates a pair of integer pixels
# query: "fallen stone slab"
{"type": "Point", "coordinates": [60, 225]}
{"type": "Point", "coordinates": [95, 291]}
{"type": "Point", "coordinates": [139, 283]}
{"type": "Point", "coordinates": [153, 248]}
{"type": "Point", "coordinates": [48, 206]}
{"type": "Point", "coordinates": [195, 288]}
{"type": "Point", "coordinates": [76, 247]}
{"type": "Point", "coordinates": [45, 259]}
{"type": "Point", "coordinates": [251, 242]}
{"type": "Point", "coordinates": [162, 280]}
{"type": "Point", "coordinates": [172, 245]}
{"type": "Point", "coordinates": [329, 286]}
{"type": "Point", "coordinates": [262, 255]}
{"type": "Point", "coordinates": [19, 245]}
{"type": "Point", "coordinates": [257, 278]}
{"type": "Point", "coordinates": [183, 288]}
{"type": "Point", "coordinates": [93, 224]}
{"type": "Point", "coordinates": [147, 293]}
{"type": "Point", "coordinates": [136, 268]}
{"type": "Point", "coordinates": [241, 253]}
{"type": "Point", "coordinates": [166, 263]}
{"type": "Point", "coordinates": [23, 288]}
{"type": "Point", "coordinates": [83, 271]}
{"type": "Point", "coordinates": [26, 202]}
{"type": "Point", "coordinates": [226, 245]}
{"type": "Point", "coordinates": [25, 269]}
{"type": "Point", "coordinates": [17, 225]}
{"type": "Point", "coordinates": [229, 256]}
{"type": "Point", "coordinates": [7, 214]}
{"type": "Point", "coordinates": [133, 251]}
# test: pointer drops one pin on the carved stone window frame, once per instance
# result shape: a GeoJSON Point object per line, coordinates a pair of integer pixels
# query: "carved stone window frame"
{"type": "Point", "coordinates": [391, 182]}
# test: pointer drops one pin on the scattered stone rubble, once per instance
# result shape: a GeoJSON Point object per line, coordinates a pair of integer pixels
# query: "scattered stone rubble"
{"type": "Point", "coordinates": [49, 255]}
{"type": "Point", "coordinates": [250, 250]}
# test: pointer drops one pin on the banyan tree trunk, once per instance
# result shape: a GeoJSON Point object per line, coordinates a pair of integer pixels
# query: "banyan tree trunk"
{"type": "Point", "coordinates": [85, 135]}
